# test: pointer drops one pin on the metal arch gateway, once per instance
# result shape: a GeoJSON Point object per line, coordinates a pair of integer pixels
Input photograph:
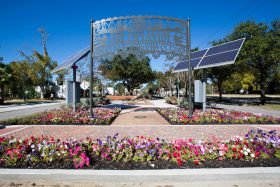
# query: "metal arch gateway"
{"type": "Point", "coordinates": [138, 35]}
{"type": "Point", "coordinates": [141, 36]}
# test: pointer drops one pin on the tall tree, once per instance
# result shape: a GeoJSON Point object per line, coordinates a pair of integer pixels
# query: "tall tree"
{"type": "Point", "coordinates": [21, 76]}
{"type": "Point", "coordinates": [261, 50]}
{"type": "Point", "coordinates": [5, 77]}
{"type": "Point", "coordinates": [41, 66]}
{"type": "Point", "coordinates": [129, 70]}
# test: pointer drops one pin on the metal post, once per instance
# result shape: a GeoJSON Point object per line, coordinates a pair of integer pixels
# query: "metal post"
{"type": "Point", "coordinates": [178, 89]}
{"type": "Point", "coordinates": [74, 67]}
{"type": "Point", "coordinates": [91, 66]}
{"type": "Point", "coordinates": [204, 79]}
{"type": "Point", "coordinates": [189, 66]}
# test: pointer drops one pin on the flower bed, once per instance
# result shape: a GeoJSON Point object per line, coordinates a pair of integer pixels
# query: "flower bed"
{"type": "Point", "coordinates": [101, 116]}
{"type": "Point", "coordinates": [254, 149]}
{"type": "Point", "coordinates": [214, 116]}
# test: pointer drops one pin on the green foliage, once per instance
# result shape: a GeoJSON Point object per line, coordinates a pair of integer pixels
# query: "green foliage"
{"type": "Point", "coordinates": [130, 71]}
{"type": "Point", "coordinates": [261, 51]}
{"type": "Point", "coordinates": [120, 88]}
{"type": "Point", "coordinates": [257, 65]}
{"type": "Point", "coordinates": [5, 78]}
{"type": "Point", "coordinates": [41, 66]}
{"type": "Point", "coordinates": [60, 76]}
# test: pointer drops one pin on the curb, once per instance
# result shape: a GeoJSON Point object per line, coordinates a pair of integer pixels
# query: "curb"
{"type": "Point", "coordinates": [258, 176]}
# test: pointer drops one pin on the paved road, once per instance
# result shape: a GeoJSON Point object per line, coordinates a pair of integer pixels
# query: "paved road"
{"type": "Point", "coordinates": [18, 111]}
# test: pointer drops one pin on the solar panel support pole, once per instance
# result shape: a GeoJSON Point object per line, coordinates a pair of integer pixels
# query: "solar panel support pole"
{"type": "Point", "coordinates": [91, 66]}
{"type": "Point", "coordinates": [178, 89]}
{"type": "Point", "coordinates": [204, 79]}
{"type": "Point", "coordinates": [188, 51]}
{"type": "Point", "coordinates": [74, 67]}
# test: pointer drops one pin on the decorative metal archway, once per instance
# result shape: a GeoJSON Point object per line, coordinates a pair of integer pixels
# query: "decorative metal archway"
{"type": "Point", "coordinates": [141, 36]}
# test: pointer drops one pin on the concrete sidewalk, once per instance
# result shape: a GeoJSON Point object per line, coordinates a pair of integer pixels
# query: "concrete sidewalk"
{"type": "Point", "coordinates": [218, 177]}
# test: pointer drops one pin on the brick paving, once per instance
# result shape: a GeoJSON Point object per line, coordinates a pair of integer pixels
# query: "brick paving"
{"type": "Point", "coordinates": [132, 117]}
{"type": "Point", "coordinates": [163, 131]}
{"type": "Point", "coordinates": [135, 123]}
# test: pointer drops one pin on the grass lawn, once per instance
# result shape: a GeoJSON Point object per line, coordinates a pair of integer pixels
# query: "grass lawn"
{"type": "Point", "coordinates": [266, 106]}
{"type": "Point", "coordinates": [243, 95]}
{"type": "Point", "coordinates": [21, 101]}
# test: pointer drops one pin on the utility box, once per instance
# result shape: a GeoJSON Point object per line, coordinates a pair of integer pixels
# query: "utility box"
{"type": "Point", "coordinates": [69, 92]}
{"type": "Point", "coordinates": [198, 91]}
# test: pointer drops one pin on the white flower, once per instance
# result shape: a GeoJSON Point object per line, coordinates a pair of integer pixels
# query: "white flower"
{"type": "Point", "coordinates": [245, 153]}
{"type": "Point", "coordinates": [253, 155]}
{"type": "Point", "coordinates": [32, 146]}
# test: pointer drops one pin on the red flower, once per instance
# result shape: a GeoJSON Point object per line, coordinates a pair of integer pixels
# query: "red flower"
{"type": "Point", "coordinates": [234, 149]}
{"type": "Point", "coordinates": [176, 154]}
{"type": "Point", "coordinates": [196, 162]}
{"type": "Point", "coordinates": [179, 161]}
{"type": "Point", "coordinates": [241, 155]}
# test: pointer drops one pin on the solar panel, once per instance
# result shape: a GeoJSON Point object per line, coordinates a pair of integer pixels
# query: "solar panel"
{"type": "Point", "coordinates": [184, 65]}
{"type": "Point", "coordinates": [73, 59]}
{"type": "Point", "coordinates": [236, 44]}
{"type": "Point", "coordinates": [219, 55]}
{"type": "Point", "coordinates": [198, 54]}
{"type": "Point", "coordinates": [218, 59]}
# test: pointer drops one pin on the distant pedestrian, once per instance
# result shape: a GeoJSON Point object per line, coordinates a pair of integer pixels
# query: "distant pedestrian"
{"type": "Point", "coordinates": [51, 96]}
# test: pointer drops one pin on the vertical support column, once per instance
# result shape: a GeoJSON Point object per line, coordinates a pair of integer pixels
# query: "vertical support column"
{"type": "Point", "coordinates": [178, 89]}
{"type": "Point", "coordinates": [74, 67]}
{"type": "Point", "coordinates": [204, 79]}
{"type": "Point", "coordinates": [188, 51]}
{"type": "Point", "coordinates": [91, 65]}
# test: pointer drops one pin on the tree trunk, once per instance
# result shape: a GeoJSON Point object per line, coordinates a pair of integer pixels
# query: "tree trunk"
{"type": "Point", "coordinates": [129, 89]}
{"type": "Point", "coordinates": [220, 91]}
{"type": "Point", "coordinates": [186, 88]}
{"type": "Point", "coordinates": [263, 98]}
{"type": "Point", "coordinates": [2, 94]}
{"type": "Point", "coordinates": [42, 92]}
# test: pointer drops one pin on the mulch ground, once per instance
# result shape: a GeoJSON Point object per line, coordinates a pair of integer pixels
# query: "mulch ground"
{"type": "Point", "coordinates": [159, 164]}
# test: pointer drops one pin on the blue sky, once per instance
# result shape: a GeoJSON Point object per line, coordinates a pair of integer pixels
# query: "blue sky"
{"type": "Point", "coordinates": [67, 21]}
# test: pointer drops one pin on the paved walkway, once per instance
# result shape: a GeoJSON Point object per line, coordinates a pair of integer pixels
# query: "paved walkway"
{"type": "Point", "coordinates": [134, 122]}
{"type": "Point", "coordinates": [224, 132]}
{"type": "Point", "coordinates": [133, 117]}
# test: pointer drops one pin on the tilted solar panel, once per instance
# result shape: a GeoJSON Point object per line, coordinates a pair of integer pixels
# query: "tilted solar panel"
{"type": "Point", "coordinates": [198, 54]}
{"type": "Point", "coordinates": [72, 59]}
{"type": "Point", "coordinates": [215, 56]}
{"type": "Point", "coordinates": [182, 66]}
{"type": "Point", "coordinates": [236, 44]}
{"type": "Point", "coordinates": [220, 59]}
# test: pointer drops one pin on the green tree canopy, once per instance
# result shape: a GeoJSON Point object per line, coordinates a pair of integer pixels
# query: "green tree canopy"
{"type": "Point", "coordinates": [41, 66]}
{"type": "Point", "coordinates": [130, 71]}
{"type": "Point", "coordinates": [261, 51]}
{"type": "Point", "coordinates": [5, 77]}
